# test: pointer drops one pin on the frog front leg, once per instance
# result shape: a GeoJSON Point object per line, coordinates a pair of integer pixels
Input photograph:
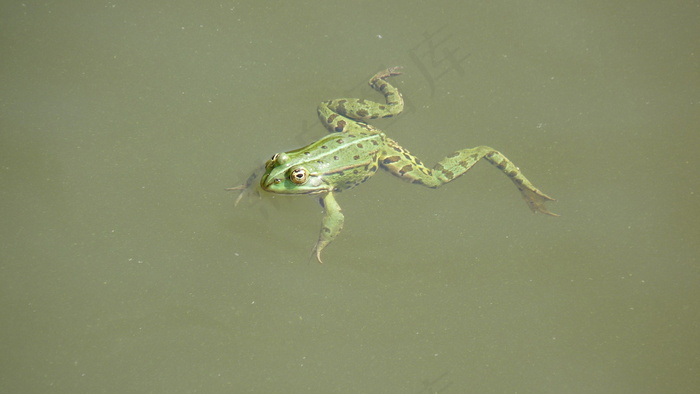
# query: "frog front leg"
{"type": "Point", "coordinates": [404, 165]}
{"type": "Point", "coordinates": [249, 187]}
{"type": "Point", "coordinates": [331, 224]}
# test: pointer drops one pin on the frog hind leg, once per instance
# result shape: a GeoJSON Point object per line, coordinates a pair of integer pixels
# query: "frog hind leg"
{"type": "Point", "coordinates": [403, 164]}
{"type": "Point", "coordinates": [331, 224]}
{"type": "Point", "coordinates": [340, 115]}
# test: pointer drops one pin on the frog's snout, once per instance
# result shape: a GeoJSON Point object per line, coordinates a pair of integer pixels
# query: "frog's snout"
{"type": "Point", "coordinates": [267, 182]}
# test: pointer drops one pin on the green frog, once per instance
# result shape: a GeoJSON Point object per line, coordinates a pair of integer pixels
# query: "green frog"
{"type": "Point", "coordinates": [354, 150]}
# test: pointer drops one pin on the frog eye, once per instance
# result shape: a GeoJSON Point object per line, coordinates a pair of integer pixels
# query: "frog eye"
{"type": "Point", "coordinates": [299, 175]}
{"type": "Point", "coordinates": [277, 159]}
{"type": "Point", "coordinates": [280, 158]}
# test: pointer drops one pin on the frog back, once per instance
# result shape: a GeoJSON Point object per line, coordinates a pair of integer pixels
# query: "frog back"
{"type": "Point", "coordinates": [341, 161]}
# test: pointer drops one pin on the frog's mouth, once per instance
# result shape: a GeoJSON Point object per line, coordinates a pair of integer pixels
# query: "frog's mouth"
{"type": "Point", "coordinates": [266, 182]}
{"type": "Point", "coordinates": [272, 184]}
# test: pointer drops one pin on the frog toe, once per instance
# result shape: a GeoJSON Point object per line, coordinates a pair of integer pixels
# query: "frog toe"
{"type": "Point", "coordinates": [389, 72]}
{"type": "Point", "coordinates": [316, 252]}
{"type": "Point", "coordinates": [535, 199]}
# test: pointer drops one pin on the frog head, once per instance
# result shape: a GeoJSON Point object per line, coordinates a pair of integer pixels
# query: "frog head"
{"type": "Point", "coordinates": [285, 175]}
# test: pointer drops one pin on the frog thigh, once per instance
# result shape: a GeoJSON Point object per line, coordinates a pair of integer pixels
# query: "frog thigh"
{"type": "Point", "coordinates": [401, 163]}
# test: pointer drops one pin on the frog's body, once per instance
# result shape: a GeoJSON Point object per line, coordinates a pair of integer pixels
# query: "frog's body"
{"type": "Point", "coordinates": [355, 150]}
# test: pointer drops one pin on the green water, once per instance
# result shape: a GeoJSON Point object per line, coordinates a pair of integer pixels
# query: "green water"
{"type": "Point", "coordinates": [124, 266]}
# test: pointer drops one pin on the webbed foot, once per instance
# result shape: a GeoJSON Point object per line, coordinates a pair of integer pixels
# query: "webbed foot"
{"type": "Point", "coordinates": [316, 252]}
{"type": "Point", "coordinates": [389, 72]}
{"type": "Point", "coordinates": [535, 199]}
{"type": "Point", "coordinates": [247, 188]}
